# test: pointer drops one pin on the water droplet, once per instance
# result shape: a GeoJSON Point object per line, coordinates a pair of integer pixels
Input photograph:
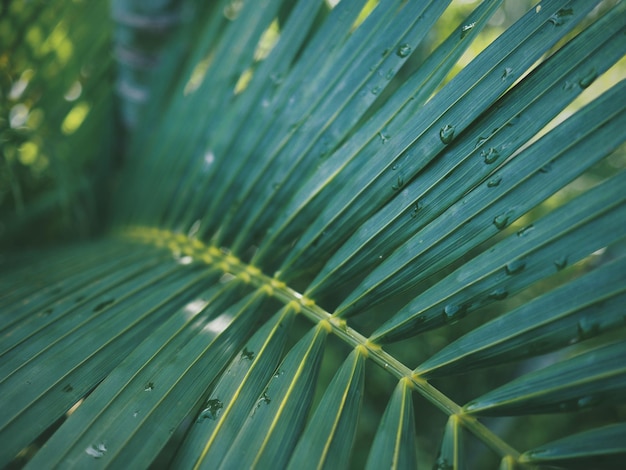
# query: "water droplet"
{"type": "Point", "coordinates": [588, 78]}
{"type": "Point", "coordinates": [499, 293]}
{"type": "Point", "coordinates": [514, 120]}
{"type": "Point", "coordinates": [212, 410]}
{"type": "Point", "coordinates": [515, 267]}
{"type": "Point", "coordinates": [561, 17]}
{"type": "Point", "coordinates": [394, 166]}
{"type": "Point", "coordinates": [588, 401]}
{"type": "Point", "coordinates": [375, 90]}
{"type": "Point", "coordinates": [403, 50]}
{"type": "Point", "coordinates": [446, 134]}
{"type": "Point", "coordinates": [276, 78]}
{"type": "Point", "coordinates": [490, 155]}
{"type": "Point", "coordinates": [96, 451]}
{"type": "Point", "coordinates": [506, 73]}
{"type": "Point", "coordinates": [547, 168]}
{"type": "Point", "coordinates": [390, 74]}
{"type": "Point", "coordinates": [537, 8]}
{"type": "Point", "coordinates": [481, 140]}
{"type": "Point", "coordinates": [278, 373]}
{"type": "Point", "coordinates": [465, 29]}
{"type": "Point", "coordinates": [525, 230]}
{"type": "Point", "coordinates": [568, 85]}
{"type": "Point", "coordinates": [443, 464]}
{"type": "Point", "coordinates": [399, 183]}
{"type": "Point", "coordinates": [587, 328]}
{"type": "Point", "coordinates": [453, 313]}
{"type": "Point", "coordinates": [208, 158]}
{"type": "Point", "coordinates": [560, 262]}
{"type": "Point", "coordinates": [263, 399]}
{"type": "Point", "coordinates": [68, 388]}
{"type": "Point", "coordinates": [149, 387]}
{"type": "Point", "coordinates": [245, 354]}
{"type": "Point", "coordinates": [415, 209]}
{"type": "Point", "coordinates": [501, 221]}
{"type": "Point", "coordinates": [102, 305]}
{"type": "Point", "coordinates": [135, 413]}
{"type": "Point", "coordinates": [383, 136]}
{"type": "Point", "coordinates": [495, 181]}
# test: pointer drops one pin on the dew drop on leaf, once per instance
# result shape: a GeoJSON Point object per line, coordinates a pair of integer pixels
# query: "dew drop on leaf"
{"type": "Point", "coordinates": [245, 354]}
{"type": "Point", "coordinates": [561, 17]}
{"type": "Point", "coordinates": [96, 451]}
{"type": "Point", "coordinates": [149, 387]}
{"type": "Point", "coordinates": [495, 181]}
{"type": "Point", "coordinates": [263, 399]}
{"type": "Point", "coordinates": [587, 328]}
{"type": "Point", "coordinates": [500, 293]}
{"type": "Point", "coordinates": [375, 90]}
{"type": "Point", "coordinates": [443, 464]}
{"type": "Point", "coordinates": [547, 168]}
{"type": "Point", "coordinates": [212, 410]}
{"type": "Point", "coordinates": [403, 50]}
{"type": "Point", "coordinates": [490, 155]}
{"type": "Point", "coordinates": [560, 262]}
{"type": "Point", "coordinates": [506, 73]}
{"type": "Point", "coordinates": [568, 85]}
{"type": "Point", "coordinates": [103, 305]}
{"type": "Point", "coordinates": [501, 221]}
{"type": "Point", "coordinates": [586, 402]}
{"type": "Point", "coordinates": [446, 134]}
{"type": "Point", "coordinates": [399, 183]}
{"type": "Point", "coordinates": [481, 140]}
{"type": "Point", "coordinates": [525, 230]}
{"type": "Point", "coordinates": [452, 312]}
{"type": "Point", "coordinates": [588, 78]}
{"type": "Point", "coordinates": [515, 267]}
{"type": "Point", "coordinates": [465, 29]}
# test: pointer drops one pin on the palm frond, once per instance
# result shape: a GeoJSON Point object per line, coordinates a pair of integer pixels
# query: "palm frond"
{"type": "Point", "coordinates": [304, 186]}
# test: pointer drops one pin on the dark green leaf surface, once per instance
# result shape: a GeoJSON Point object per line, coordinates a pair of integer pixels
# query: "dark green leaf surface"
{"type": "Point", "coordinates": [589, 379]}
{"type": "Point", "coordinates": [270, 433]}
{"type": "Point", "coordinates": [145, 401]}
{"type": "Point", "coordinates": [581, 309]}
{"type": "Point", "coordinates": [522, 257]}
{"type": "Point", "coordinates": [451, 454]}
{"type": "Point", "coordinates": [237, 392]}
{"type": "Point", "coordinates": [394, 444]}
{"type": "Point", "coordinates": [605, 447]}
{"type": "Point", "coordinates": [457, 104]}
{"type": "Point", "coordinates": [532, 103]}
{"type": "Point", "coordinates": [328, 438]}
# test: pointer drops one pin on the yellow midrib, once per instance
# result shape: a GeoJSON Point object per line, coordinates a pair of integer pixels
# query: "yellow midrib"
{"type": "Point", "coordinates": [181, 245]}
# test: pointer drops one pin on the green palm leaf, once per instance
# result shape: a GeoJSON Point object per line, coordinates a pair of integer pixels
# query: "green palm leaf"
{"type": "Point", "coordinates": [303, 183]}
